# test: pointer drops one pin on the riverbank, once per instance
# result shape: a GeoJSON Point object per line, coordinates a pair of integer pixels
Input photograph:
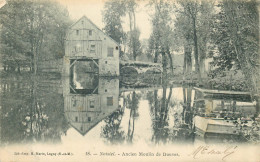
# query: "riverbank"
{"type": "Point", "coordinates": [230, 81]}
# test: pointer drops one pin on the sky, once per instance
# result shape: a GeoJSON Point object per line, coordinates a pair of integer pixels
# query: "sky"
{"type": "Point", "coordinates": [93, 10]}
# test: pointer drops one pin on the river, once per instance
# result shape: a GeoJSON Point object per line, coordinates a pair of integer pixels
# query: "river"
{"type": "Point", "coordinates": [52, 109]}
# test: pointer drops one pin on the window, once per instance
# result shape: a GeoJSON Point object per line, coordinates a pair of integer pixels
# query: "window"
{"type": "Point", "coordinates": [77, 32]}
{"type": "Point", "coordinates": [81, 128]}
{"type": "Point", "coordinates": [92, 48]}
{"type": "Point", "coordinates": [110, 52]}
{"type": "Point", "coordinates": [116, 47]}
{"type": "Point", "coordinates": [89, 119]}
{"type": "Point", "coordinates": [76, 119]}
{"type": "Point", "coordinates": [74, 103]}
{"type": "Point", "coordinates": [109, 101]}
{"type": "Point", "coordinates": [92, 104]}
{"type": "Point", "coordinates": [90, 33]}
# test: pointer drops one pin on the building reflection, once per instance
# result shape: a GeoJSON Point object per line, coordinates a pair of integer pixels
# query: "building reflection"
{"type": "Point", "coordinates": [87, 105]}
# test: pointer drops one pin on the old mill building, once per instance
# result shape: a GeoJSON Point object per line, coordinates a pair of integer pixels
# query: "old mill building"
{"type": "Point", "coordinates": [85, 42]}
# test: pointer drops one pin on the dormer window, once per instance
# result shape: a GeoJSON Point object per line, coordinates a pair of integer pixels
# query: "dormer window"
{"type": "Point", "coordinates": [90, 32]}
{"type": "Point", "coordinates": [77, 32]}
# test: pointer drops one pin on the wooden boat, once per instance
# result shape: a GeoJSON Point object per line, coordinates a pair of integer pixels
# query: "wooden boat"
{"type": "Point", "coordinates": [223, 94]}
{"type": "Point", "coordinates": [213, 126]}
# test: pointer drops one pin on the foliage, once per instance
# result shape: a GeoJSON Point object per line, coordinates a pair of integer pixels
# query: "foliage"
{"type": "Point", "coordinates": [113, 12]}
{"type": "Point", "coordinates": [32, 31]}
{"type": "Point", "coordinates": [235, 33]}
{"type": "Point", "coordinates": [160, 41]}
{"type": "Point", "coordinates": [192, 25]}
{"type": "Point", "coordinates": [135, 43]}
{"type": "Point", "coordinates": [111, 131]}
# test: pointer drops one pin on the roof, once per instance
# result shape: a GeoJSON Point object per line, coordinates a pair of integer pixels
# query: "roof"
{"type": "Point", "coordinates": [93, 124]}
{"type": "Point", "coordinates": [85, 17]}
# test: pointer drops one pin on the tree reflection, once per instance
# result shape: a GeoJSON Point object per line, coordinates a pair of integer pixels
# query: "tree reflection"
{"type": "Point", "coordinates": [32, 110]}
{"type": "Point", "coordinates": [159, 109]}
{"type": "Point", "coordinates": [132, 102]}
{"type": "Point", "coordinates": [187, 112]}
{"type": "Point", "coordinates": [170, 124]}
{"type": "Point", "coordinates": [111, 131]}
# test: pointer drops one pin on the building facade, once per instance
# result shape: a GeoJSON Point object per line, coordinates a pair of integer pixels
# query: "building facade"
{"type": "Point", "coordinates": [85, 41]}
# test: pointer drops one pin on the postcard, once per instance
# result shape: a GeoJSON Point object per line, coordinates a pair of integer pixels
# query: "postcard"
{"type": "Point", "coordinates": [129, 80]}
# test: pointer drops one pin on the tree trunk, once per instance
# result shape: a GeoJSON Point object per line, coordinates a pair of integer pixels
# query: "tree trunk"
{"type": "Point", "coordinates": [189, 59]}
{"type": "Point", "coordinates": [19, 69]}
{"type": "Point", "coordinates": [196, 53]}
{"type": "Point", "coordinates": [5, 68]}
{"type": "Point", "coordinates": [156, 54]}
{"type": "Point", "coordinates": [202, 66]}
{"type": "Point", "coordinates": [170, 58]}
{"type": "Point", "coordinates": [184, 62]}
{"type": "Point", "coordinates": [164, 63]}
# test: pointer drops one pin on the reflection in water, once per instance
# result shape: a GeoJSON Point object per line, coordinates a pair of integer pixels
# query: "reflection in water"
{"type": "Point", "coordinates": [40, 108]}
{"type": "Point", "coordinates": [86, 109]}
{"type": "Point", "coordinates": [31, 109]}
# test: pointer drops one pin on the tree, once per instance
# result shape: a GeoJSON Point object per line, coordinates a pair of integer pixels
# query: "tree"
{"type": "Point", "coordinates": [235, 34]}
{"type": "Point", "coordinates": [183, 38]}
{"type": "Point", "coordinates": [189, 10]}
{"type": "Point", "coordinates": [32, 31]}
{"type": "Point", "coordinates": [205, 20]}
{"type": "Point", "coordinates": [134, 43]}
{"type": "Point", "coordinates": [134, 33]}
{"type": "Point", "coordinates": [113, 12]}
{"type": "Point", "coordinates": [160, 41]}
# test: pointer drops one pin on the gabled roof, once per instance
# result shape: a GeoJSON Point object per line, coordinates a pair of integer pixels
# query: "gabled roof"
{"type": "Point", "coordinates": [93, 124]}
{"type": "Point", "coordinates": [2, 3]}
{"type": "Point", "coordinates": [85, 17]}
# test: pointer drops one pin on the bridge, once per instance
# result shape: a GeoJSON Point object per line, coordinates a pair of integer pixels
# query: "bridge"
{"type": "Point", "coordinates": [138, 72]}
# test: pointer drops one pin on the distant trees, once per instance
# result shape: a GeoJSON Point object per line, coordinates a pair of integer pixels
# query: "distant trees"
{"type": "Point", "coordinates": [31, 31]}
{"type": "Point", "coordinates": [114, 11]}
{"type": "Point", "coordinates": [193, 19]}
{"type": "Point", "coordinates": [134, 33]}
{"type": "Point", "coordinates": [160, 41]}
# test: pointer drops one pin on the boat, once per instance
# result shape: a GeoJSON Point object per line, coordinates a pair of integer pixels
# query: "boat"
{"type": "Point", "coordinates": [224, 94]}
{"type": "Point", "coordinates": [214, 126]}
